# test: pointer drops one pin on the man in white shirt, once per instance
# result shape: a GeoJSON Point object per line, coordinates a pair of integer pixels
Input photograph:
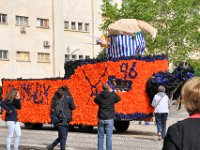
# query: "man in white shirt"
{"type": "Point", "coordinates": [161, 104]}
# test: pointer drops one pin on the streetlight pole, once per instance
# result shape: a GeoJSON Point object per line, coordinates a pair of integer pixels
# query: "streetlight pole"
{"type": "Point", "coordinates": [53, 40]}
{"type": "Point", "coordinates": [92, 19]}
{"type": "Point", "coordinates": [73, 53]}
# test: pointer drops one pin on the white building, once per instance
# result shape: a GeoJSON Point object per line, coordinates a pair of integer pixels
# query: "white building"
{"type": "Point", "coordinates": [37, 36]}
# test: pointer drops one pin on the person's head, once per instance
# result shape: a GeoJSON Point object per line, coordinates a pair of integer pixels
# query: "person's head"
{"type": "Point", "coordinates": [161, 88]}
{"type": "Point", "coordinates": [59, 94]}
{"type": "Point", "coordinates": [66, 90]}
{"type": "Point", "coordinates": [11, 95]}
{"type": "Point", "coordinates": [105, 86]}
{"type": "Point", "coordinates": [190, 93]}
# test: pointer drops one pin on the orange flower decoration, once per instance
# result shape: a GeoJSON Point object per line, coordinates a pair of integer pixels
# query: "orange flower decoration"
{"type": "Point", "coordinates": [84, 84]}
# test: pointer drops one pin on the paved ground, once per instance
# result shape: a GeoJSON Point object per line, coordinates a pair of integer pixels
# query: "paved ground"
{"type": "Point", "coordinates": [138, 137]}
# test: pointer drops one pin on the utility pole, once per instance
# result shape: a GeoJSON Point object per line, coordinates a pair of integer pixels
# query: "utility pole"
{"type": "Point", "coordinates": [92, 19]}
{"type": "Point", "coordinates": [53, 41]}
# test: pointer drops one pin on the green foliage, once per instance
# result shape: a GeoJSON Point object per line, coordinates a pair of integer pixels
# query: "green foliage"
{"type": "Point", "coordinates": [102, 54]}
{"type": "Point", "coordinates": [108, 10]}
{"type": "Point", "coordinates": [196, 65]}
{"type": "Point", "coordinates": [177, 22]}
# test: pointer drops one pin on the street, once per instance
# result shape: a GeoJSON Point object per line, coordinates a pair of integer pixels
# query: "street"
{"type": "Point", "coordinates": [138, 137]}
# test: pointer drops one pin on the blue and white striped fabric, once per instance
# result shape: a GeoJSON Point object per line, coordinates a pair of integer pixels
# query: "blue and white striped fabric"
{"type": "Point", "coordinates": [126, 45]}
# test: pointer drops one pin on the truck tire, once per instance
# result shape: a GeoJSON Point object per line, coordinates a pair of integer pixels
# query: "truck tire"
{"type": "Point", "coordinates": [86, 128]}
{"type": "Point", "coordinates": [71, 128]}
{"type": "Point", "coordinates": [37, 126]}
{"type": "Point", "coordinates": [121, 126]}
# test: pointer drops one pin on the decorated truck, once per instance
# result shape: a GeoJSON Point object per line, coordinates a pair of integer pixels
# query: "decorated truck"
{"type": "Point", "coordinates": [124, 62]}
{"type": "Point", "coordinates": [84, 79]}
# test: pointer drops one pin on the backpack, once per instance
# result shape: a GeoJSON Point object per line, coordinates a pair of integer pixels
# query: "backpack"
{"type": "Point", "coordinates": [57, 116]}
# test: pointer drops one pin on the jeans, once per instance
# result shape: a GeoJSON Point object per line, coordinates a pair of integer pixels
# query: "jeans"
{"type": "Point", "coordinates": [13, 126]}
{"type": "Point", "coordinates": [161, 119]}
{"type": "Point", "coordinates": [107, 126]}
{"type": "Point", "coordinates": [62, 136]}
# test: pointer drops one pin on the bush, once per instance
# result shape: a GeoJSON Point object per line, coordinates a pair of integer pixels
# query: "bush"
{"type": "Point", "coordinates": [196, 65]}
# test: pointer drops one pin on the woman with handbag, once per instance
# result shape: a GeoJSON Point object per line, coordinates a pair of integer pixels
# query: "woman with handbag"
{"type": "Point", "coordinates": [161, 104]}
{"type": "Point", "coordinates": [59, 120]}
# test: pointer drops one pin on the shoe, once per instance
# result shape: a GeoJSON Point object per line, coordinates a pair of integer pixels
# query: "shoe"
{"type": "Point", "coordinates": [159, 136]}
{"type": "Point", "coordinates": [50, 147]}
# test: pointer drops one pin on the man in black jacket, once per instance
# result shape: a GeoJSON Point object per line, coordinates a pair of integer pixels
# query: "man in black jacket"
{"type": "Point", "coordinates": [106, 114]}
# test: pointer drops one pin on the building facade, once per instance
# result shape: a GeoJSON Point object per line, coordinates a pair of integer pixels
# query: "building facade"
{"type": "Point", "coordinates": [37, 37]}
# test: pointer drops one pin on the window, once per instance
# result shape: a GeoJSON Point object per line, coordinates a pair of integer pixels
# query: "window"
{"type": "Point", "coordinates": [80, 57]}
{"type": "Point", "coordinates": [67, 57]}
{"type": "Point", "coordinates": [87, 27]}
{"type": "Point", "coordinates": [3, 54]}
{"type": "Point", "coordinates": [66, 24]}
{"type": "Point", "coordinates": [73, 25]}
{"type": "Point", "coordinates": [43, 23]}
{"type": "Point", "coordinates": [80, 26]}
{"type": "Point", "coordinates": [73, 57]}
{"type": "Point", "coordinates": [87, 57]}
{"type": "Point", "coordinates": [22, 56]}
{"type": "Point", "coordinates": [44, 57]}
{"type": "Point", "coordinates": [21, 20]}
{"type": "Point", "coordinates": [3, 18]}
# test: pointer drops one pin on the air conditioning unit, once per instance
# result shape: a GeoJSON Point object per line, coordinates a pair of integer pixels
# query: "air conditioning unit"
{"type": "Point", "coordinates": [46, 43]}
{"type": "Point", "coordinates": [22, 29]}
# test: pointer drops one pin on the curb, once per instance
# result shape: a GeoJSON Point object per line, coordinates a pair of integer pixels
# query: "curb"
{"type": "Point", "coordinates": [25, 147]}
{"type": "Point", "coordinates": [36, 147]}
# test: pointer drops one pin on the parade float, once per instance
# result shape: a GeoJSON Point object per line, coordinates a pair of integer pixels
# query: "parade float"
{"type": "Point", "coordinates": [124, 62]}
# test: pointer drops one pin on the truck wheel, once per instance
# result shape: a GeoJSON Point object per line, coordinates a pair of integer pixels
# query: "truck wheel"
{"type": "Point", "coordinates": [38, 126]}
{"type": "Point", "coordinates": [33, 125]}
{"type": "Point", "coordinates": [85, 128]}
{"type": "Point", "coordinates": [121, 126]}
{"type": "Point", "coordinates": [71, 127]}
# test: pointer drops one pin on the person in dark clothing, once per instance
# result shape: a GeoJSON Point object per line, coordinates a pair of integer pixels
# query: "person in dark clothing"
{"type": "Point", "coordinates": [69, 105]}
{"type": "Point", "coordinates": [11, 104]}
{"type": "Point", "coordinates": [61, 102]}
{"type": "Point", "coordinates": [184, 135]}
{"type": "Point", "coordinates": [106, 113]}
{"type": "Point", "coordinates": [0, 99]}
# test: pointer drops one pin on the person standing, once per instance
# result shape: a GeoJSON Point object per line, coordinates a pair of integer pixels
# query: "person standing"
{"type": "Point", "coordinates": [69, 104]}
{"type": "Point", "coordinates": [62, 101]}
{"type": "Point", "coordinates": [11, 104]}
{"type": "Point", "coordinates": [106, 113]}
{"type": "Point", "coordinates": [184, 135]}
{"type": "Point", "coordinates": [0, 100]}
{"type": "Point", "coordinates": [161, 104]}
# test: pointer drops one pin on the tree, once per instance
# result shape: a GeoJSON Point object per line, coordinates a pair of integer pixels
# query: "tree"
{"type": "Point", "coordinates": [177, 22]}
